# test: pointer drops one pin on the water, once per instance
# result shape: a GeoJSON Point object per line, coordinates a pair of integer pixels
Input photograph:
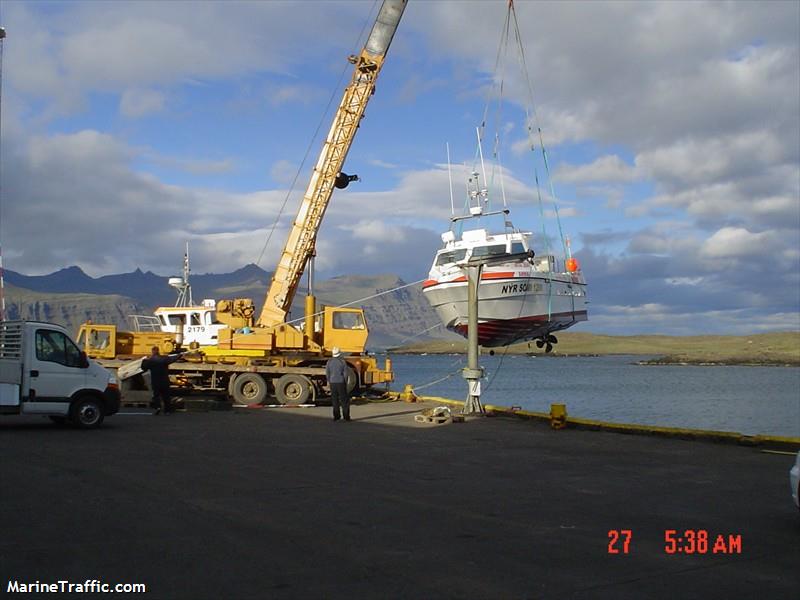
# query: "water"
{"type": "Point", "coordinates": [748, 400]}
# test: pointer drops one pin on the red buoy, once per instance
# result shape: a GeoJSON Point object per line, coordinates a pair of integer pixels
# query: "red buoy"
{"type": "Point", "coordinates": [572, 265]}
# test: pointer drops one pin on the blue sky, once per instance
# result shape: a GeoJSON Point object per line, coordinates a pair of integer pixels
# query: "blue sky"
{"type": "Point", "coordinates": [672, 130]}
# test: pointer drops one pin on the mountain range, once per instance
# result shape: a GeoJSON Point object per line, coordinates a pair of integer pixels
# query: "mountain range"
{"type": "Point", "coordinates": [70, 297]}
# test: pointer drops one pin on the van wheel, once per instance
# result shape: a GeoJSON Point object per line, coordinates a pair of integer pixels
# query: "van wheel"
{"type": "Point", "coordinates": [249, 389]}
{"type": "Point", "coordinates": [87, 413]}
{"type": "Point", "coordinates": [293, 389]}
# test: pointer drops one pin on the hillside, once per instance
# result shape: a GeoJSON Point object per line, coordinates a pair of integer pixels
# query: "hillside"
{"type": "Point", "coordinates": [70, 309]}
{"type": "Point", "coordinates": [70, 297]}
{"type": "Point", "coordinates": [758, 349]}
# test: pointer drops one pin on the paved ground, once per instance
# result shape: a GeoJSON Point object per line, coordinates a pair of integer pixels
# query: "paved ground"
{"type": "Point", "coordinates": [287, 504]}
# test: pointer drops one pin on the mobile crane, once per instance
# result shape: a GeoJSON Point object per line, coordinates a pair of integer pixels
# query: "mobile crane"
{"type": "Point", "coordinates": [255, 358]}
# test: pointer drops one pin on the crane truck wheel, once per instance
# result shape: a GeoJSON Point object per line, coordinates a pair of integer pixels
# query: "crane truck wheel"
{"type": "Point", "coordinates": [293, 389]}
{"type": "Point", "coordinates": [249, 389]}
{"type": "Point", "coordinates": [352, 381]}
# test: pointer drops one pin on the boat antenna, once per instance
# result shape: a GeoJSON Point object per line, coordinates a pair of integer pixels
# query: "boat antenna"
{"type": "Point", "coordinates": [485, 191]}
{"type": "Point", "coordinates": [186, 277]}
{"type": "Point", "coordinates": [450, 177]}
{"type": "Point", "coordinates": [182, 283]}
{"type": "Point", "coordinates": [500, 169]}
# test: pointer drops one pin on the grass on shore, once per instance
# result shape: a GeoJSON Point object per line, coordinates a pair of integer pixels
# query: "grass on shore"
{"type": "Point", "coordinates": [764, 348]}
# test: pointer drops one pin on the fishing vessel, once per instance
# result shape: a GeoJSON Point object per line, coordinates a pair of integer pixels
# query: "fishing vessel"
{"type": "Point", "coordinates": [522, 295]}
{"type": "Point", "coordinates": [193, 323]}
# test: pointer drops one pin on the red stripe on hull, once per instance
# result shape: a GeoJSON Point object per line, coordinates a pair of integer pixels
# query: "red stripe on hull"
{"type": "Point", "coordinates": [503, 332]}
{"type": "Point", "coordinates": [503, 275]}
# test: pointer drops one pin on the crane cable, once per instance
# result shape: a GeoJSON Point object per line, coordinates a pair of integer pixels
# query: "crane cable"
{"type": "Point", "coordinates": [528, 107]}
{"type": "Point", "coordinates": [312, 142]}
{"type": "Point", "coordinates": [360, 300]}
{"type": "Point", "coordinates": [529, 87]}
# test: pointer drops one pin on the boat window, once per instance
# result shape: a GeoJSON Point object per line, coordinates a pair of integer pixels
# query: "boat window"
{"type": "Point", "coordinates": [517, 248]}
{"type": "Point", "coordinates": [348, 320]}
{"type": "Point", "coordinates": [177, 319]}
{"type": "Point", "coordinates": [196, 319]}
{"type": "Point", "coordinates": [496, 250]}
{"type": "Point", "coordinates": [450, 257]}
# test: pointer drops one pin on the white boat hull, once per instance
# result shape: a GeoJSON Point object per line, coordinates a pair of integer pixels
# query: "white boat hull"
{"type": "Point", "coordinates": [511, 309]}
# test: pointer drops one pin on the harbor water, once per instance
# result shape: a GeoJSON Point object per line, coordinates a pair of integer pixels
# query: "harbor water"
{"type": "Point", "coordinates": [747, 400]}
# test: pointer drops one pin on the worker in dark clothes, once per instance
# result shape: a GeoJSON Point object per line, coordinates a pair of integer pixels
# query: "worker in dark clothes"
{"type": "Point", "coordinates": [158, 366]}
{"type": "Point", "coordinates": [336, 372]}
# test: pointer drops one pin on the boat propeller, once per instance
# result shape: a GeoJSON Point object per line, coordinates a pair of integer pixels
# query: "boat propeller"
{"type": "Point", "coordinates": [547, 342]}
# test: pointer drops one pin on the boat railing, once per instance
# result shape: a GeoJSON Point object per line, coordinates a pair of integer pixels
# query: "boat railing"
{"type": "Point", "coordinates": [145, 322]}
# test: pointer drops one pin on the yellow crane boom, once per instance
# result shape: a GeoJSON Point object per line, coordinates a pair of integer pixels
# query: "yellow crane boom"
{"type": "Point", "coordinates": [300, 243]}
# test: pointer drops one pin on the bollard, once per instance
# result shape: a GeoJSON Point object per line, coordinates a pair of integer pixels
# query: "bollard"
{"type": "Point", "coordinates": [558, 416]}
{"type": "Point", "coordinates": [408, 395]}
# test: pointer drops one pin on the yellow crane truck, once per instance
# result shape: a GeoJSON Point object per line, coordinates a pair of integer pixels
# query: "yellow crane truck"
{"type": "Point", "coordinates": [255, 359]}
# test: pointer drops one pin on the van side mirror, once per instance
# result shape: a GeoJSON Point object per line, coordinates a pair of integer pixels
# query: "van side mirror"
{"type": "Point", "coordinates": [84, 360]}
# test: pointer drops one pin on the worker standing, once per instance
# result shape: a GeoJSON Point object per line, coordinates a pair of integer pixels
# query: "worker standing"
{"type": "Point", "coordinates": [158, 366]}
{"type": "Point", "coordinates": [336, 372]}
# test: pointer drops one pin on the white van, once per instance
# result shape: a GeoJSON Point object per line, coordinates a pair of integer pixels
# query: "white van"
{"type": "Point", "coordinates": [43, 372]}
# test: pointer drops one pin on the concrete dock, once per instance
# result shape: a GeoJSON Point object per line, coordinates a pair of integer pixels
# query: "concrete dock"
{"type": "Point", "coordinates": [285, 503]}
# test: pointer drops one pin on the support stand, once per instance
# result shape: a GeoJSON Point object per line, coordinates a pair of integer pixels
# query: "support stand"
{"type": "Point", "coordinates": [473, 373]}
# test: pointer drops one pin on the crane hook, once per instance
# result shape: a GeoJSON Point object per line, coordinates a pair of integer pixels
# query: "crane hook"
{"type": "Point", "coordinates": [343, 180]}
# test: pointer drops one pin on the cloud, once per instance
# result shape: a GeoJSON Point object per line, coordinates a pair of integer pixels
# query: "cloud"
{"type": "Point", "coordinates": [138, 103]}
{"type": "Point", "coordinates": [374, 231]}
{"type": "Point", "coordinates": [737, 242]}
{"type": "Point", "coordinates": [707, 161]}
{"type": "Point", "coordinates": [190, 165]}
{"type": "Point", "coordinates": [606, 169]}
{"type": "Point", "coordinates": [122, 46]}
{"type": "Point", "coordinates": [75, 199]}
{"type": "Point", "coordinates": [678, 120]}
{"type": "Point", "coordinates": [283, 172]}
{"type": "Point", "coordinates": [376, 162]}
{"type": "Point", "coordinates": [407, 251]}
{"type": "Point", "coordinates": [278, 95]}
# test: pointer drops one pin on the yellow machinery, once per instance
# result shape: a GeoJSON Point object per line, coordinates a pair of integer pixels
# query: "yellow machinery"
{"type": "Point", "coordinates": [268, 354]}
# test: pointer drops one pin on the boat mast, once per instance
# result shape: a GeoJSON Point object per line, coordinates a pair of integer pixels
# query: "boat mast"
{"type": "Point", "coordinates": [450, 177]}
{"type": "Point", "coordinates": [182, 283]}
{"type": "Point", "coordinates": [485, 191]}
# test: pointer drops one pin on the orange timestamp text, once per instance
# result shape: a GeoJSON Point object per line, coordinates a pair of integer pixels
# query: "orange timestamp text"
{"type": "Point", "coordinates": [687, 541]}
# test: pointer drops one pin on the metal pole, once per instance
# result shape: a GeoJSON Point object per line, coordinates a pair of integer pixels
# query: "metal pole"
{"type": "Point", "coordinates": [473, 372]}
{"type": "Point", "coordinates": [2, 281]}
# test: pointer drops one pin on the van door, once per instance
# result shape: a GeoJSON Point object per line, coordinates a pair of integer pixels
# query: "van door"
{"type": "Point", "coordinates": [53, 373]}
{"type": "Point", "coordinates": [11, 359]}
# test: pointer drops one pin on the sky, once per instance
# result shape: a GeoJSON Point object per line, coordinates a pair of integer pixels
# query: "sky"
{"type": "Point", "coordinates": [672, 132]}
